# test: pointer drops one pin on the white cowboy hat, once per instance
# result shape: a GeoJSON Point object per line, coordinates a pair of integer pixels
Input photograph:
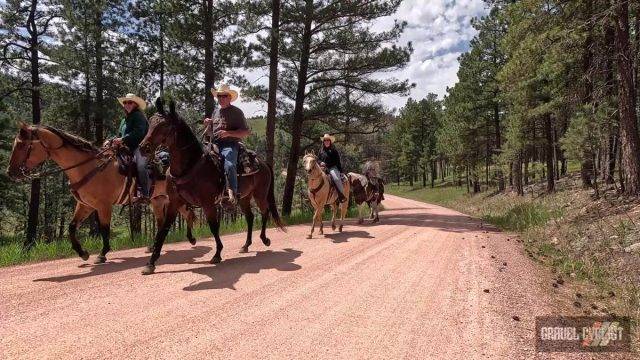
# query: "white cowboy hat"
{"type": "Point", "coordinates": [328, 137]}
{"type": "Point", "coordinates": [225, 89]}
{"type": "Point", "coordinates": [136, 99]}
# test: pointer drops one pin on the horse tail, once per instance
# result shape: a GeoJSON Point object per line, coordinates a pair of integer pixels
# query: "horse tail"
{"type": "Point", "coordinates": [271, 198]}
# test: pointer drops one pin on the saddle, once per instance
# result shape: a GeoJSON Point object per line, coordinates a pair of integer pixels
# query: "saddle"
{"type": "Point", "coordinates": [332, 185]}
{"type": "Point", "coordinates": [156, 166]}
{"type": "Point", "coordinates": [248, 160]}
{"type": "Point", "coordinates": [127, 167]}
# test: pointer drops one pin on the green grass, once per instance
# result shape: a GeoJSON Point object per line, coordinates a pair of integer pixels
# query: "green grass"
{"type": "Point", "coordinates": [12, 253]}
{"type": "Point", "coordinates": [441, 195]}
{"type": "Point", "coordinates": [520, 217]}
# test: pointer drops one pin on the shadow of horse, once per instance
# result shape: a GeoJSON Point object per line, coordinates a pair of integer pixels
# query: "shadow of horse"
{"type": "Point", "coordinates": [346, 235]}
{"type": "Point", "coordinates": [126, 263]}
{"type": "Point", "coordinates": [226, 274]}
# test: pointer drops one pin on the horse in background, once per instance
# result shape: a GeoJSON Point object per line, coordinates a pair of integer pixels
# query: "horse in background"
{"type": "Point", "coordinates": [369, 189]}
{"type": "Point", "coordinates": [322, 193]}
{"type": "Point", "coordinates": [94, 178]}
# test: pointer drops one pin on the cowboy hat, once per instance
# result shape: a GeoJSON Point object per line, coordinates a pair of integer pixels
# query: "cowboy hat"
{"type": "Point", "coordinates": [136, 99]}
{"type": "Point", "coordinates": [225, 89]}
{"type": "Point", "coordinates": [328, 137]}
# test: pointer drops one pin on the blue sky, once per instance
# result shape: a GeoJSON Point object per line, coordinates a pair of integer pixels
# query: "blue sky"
{"type": "Point", "coordinates": [439, 30]}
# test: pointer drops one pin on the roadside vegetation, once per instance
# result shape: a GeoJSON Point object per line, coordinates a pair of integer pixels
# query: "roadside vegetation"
{"type": "Point", "coordinates": [592, 242]}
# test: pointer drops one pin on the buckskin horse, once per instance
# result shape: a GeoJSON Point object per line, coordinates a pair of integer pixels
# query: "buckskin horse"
{"type": "Point", "coordinates": [94, 178]}
{"type": "Point", "coordinates": [321, 193]}
{"type": "Point", "coordinates": [197, 178]}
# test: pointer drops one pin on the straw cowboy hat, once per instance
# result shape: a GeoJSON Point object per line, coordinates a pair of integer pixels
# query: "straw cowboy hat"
{"type": "Point", "coordinates": [225, 89]}
{"type": "Point", "coordinates": [136, 99]}
{"type": "Point", "coordinates": [328, 137]}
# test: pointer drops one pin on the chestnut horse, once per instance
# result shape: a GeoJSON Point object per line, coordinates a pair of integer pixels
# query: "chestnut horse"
{"type": "Point", "coordinates": [322, 194]}
{"type": "Point", "coordinates": [95, 181]}
{"type": "Point", "coordinates": [197, 178]}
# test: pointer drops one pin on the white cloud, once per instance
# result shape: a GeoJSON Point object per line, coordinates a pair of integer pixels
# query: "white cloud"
{"type": "Point", "coordinates": [439, 30]}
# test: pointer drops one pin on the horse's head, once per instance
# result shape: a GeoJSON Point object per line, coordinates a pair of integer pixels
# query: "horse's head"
{"type": "Point", "coordinates": [31, 148]}
{"type": "Point", "coordinates": [162, 128]}
{"type": "Point", "coordinates": [309, 161]}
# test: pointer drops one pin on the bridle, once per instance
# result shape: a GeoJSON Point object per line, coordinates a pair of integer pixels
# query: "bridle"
{"type": "Point", "coordinates": [35, 139]}
{"type": "Point", "coordinates": [315, 190]}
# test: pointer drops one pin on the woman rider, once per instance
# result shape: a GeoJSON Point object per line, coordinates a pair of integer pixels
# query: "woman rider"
{"type": "Point", "coordinates": [131, 131]}
{"type": "Point", "coordinates": [330, 160]}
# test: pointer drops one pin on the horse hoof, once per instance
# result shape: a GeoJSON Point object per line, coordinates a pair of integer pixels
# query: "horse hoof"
{"type": "Point", "coordinates": [148, 270]}
{"type": "Point", "coordinates": [376, 220]}
{"type": "Point", "coordinates": [309, 236]}
{"type": "Point", "coordinates": [333, 227]}
{"type": "Point", "coordinates": [85, 256]}
{"type": "Point", "coordinates": [360, 221]}
{"type": "Point", "coordinates": [266, 241]}
{"type": "Point", "coordinates": [192, 241]}
{"type": "Point", "coordinates": [101, 259]}
{"type": "Point", "coordinates": [216, 260]}
{"type": "Point", "coordinates": [243, 250]}
{"type": "Point", "coordinates": [340, 228]}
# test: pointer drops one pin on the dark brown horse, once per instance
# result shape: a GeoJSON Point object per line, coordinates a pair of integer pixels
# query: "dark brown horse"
{"type": "Point", "coordinates": [94, 179]}
{"type": "Point", "coordinates": [197, 178]}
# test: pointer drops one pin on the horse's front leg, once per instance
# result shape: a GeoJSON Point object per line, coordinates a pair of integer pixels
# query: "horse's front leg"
{"type": "Point", "coordinates": [313, 222]}
{"type": "Point", "coordinates": [211, 212]}
{"type": "Point", "coordinates": [80, 213]}
{"type": "Point", "coordinates": [245, 206]}
{"type": "Point", "coordinates": [334, 210]}
{"type": "Point", "coordinates": [104, 218]}
{"type": "Point", "coordinates": [161, 235]}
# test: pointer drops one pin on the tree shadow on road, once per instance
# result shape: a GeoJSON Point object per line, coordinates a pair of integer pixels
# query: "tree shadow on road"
{"type": "Point", "coordinates": [118, 264]}
{"type": "Point", "coordinates": [447, 223]}
{"type": "Point", "coordinates": [226, 274]}
{"type": "Point", "coordinates": [346, 235]}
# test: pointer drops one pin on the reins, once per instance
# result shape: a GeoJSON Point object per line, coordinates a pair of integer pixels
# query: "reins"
{"type": "Point", "coordinates": [58, 170]}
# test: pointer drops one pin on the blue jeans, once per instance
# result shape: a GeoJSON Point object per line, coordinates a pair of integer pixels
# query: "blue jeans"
{"type": "Point", "coordinates": [337, 179]}
{"type": "Point", "coordinates": [229, 153]}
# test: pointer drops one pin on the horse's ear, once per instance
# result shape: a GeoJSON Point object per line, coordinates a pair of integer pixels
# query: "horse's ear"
{"type": "Point", "coordinates": [160, 105]}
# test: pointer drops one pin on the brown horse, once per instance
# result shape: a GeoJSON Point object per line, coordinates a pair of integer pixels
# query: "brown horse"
{"type": "Point", "coordinates": [322, 194]}
{"type": "Point", "coordinates": [95, 180]}
{"type": "Point", "coordinates": [197, 178]}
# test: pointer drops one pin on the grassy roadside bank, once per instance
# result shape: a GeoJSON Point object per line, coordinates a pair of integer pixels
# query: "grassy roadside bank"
{"type": "Point", "coordinates": [579, 237]}
{"type": "Point", "coordinates": [13, 254]}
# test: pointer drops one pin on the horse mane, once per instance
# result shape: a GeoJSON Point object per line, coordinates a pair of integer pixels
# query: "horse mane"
{"type": "Point", "coordinates": [73, 140]}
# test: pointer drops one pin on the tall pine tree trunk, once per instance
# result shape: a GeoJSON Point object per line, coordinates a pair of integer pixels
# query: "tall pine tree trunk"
{"type": "Point", "coordinates": [629, 139]}
{"type": "Point", "coordinates": [586, 167]}
{"type": "Point", "coordinates": [273, 80]}
{"type": "Point", "coordinates": [496, 124]}
{"type": "Point", "coordinates": [548, 132]}
{"type": "Point", "coordinates": [34, 199]}
{"type": "Point", "coordinates": [99, 106]}
{"type": "Point", "coordinates": [209, 75]}
{"type": "Point", "coordinates": [298, 112]}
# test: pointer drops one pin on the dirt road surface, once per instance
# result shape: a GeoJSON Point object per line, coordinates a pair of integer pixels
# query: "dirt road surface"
{"type": "Point", "coordinates": [411, 287]}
